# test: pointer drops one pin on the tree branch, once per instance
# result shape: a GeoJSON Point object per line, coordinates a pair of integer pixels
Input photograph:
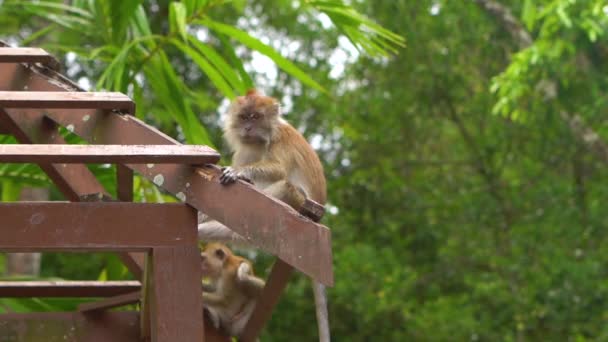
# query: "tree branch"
{"type": "Point", "coordinates": [583, 133]}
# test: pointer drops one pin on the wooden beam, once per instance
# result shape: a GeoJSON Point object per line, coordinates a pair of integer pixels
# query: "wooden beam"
{"type": "Point", "coordinates": [70, 327]}
{"type": "Point", "coordinates": [270, 225]}
{"type": "Point", "coordinates": [95, 226]}
{"type": "Point", "coordinates": [64, 100]}
{"type": "Point", "coordinates": [66, 288]}
{"type": "Point", "coordinates": [75, 181]}
{"type": "Point", "coordinates": [112, 302]}
{"type": "Point", "coordinates": [176, 307]}
{"type": "Point", "coordinates": [276, 283]}
{"type": "Point", "coordinates": [27, 55]}
{"type": "Point", "coordinates": [136, 154]}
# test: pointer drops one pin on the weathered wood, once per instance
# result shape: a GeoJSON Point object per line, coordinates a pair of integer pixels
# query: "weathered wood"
{"type": "Point", "coordinates": [112, 302]}
{"type": "Point", "coordinates": [27, 55]}
{"type": "Point", "coordinates": [176, 306]}
{"type": "Point", "coordinates": [281, 231]}
{"type": "Point", "coordinates": [276, 283]}
{"type": "Point", "coordinates": [66, 288]}
{"type": "Point", "coordinates": [70, 327]}
{"type": "Point", "coordinates": [124, 181]}
{"type": "Point", "coordinates": [73, 180]}
{"type": "Point", "coordinates": [55, 154]}
{"type": "Point", "coordinates": [65, 100]}
{"type": "Point", "coordinates": [95, 226]}
{"type": "Point", "coordinates": [144, 318]}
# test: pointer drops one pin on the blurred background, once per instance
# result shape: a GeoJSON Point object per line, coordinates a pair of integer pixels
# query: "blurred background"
{"type": "Point", "coordinates": [465, 145]}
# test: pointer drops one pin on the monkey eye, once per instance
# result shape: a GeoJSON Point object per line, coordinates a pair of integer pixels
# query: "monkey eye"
{"type": "Point", "coordinates": [220, 253]}
{"type": "Point", "coordinates": [255, 116]}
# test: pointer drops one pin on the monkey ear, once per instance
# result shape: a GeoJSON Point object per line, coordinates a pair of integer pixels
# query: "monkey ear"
{"type": "Point", "coordinates": [220, 253]}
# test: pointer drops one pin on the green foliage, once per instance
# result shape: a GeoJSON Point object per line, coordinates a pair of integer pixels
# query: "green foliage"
{"type": "Point", "coordinates": [448, 223]}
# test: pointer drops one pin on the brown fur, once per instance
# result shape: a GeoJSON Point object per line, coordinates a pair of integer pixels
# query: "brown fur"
{"type": "Point", "coordinates": [230, 298]}
{"type": "Point", "coordinates": [285, 154]}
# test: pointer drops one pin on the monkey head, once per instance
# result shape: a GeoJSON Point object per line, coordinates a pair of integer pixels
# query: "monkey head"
{"type": "Point", "coordinates": [252, 119]}
{"type": "Point", "coordinates": [213, 259]}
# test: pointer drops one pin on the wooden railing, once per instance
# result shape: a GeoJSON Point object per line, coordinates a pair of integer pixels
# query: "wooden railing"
{"type": "Point", "coordinates": [34, 101]}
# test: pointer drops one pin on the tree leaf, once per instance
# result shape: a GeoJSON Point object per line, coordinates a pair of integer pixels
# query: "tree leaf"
{"type": "Point", "coordinates": [257, 45]}
{"type": "Point", "coordinates": [177, 19]}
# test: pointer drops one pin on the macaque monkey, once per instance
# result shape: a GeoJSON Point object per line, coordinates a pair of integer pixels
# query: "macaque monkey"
{"type": "Point", "coordinates": [278, 160]}
{"type": "Point", "coordinates": [230, 297]}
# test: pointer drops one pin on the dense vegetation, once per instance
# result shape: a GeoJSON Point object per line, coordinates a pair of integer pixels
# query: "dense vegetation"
{"type": "Point", "coordinates": [465, 169]}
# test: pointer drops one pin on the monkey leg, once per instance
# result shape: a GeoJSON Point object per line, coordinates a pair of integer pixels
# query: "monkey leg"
{"type": "Point", "coordinates": [213, 231]}
{"type": "Point", "coordinates": [213, 316]}
{"type": "Point", "coordinates": [285, 191]}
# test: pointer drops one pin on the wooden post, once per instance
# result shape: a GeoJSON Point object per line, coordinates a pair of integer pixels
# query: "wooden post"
{"type": "Point", "coordinates": [176, 305]}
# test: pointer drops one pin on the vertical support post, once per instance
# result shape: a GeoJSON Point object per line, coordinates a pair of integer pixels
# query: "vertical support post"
{"type": "Point", "coordinates": [124, 178]}
{"type": "Point", "coordinates": [176, 306]}
{"type": "Point", "coordinates": [176, 303]}
{"type": "Point", "coordinates": [124, 181]}
{"type": "Point", "coordinates": [277, 281]}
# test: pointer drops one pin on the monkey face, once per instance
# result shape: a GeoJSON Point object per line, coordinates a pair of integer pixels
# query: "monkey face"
{"type": "Point", "coordinates": [253, 118]}
{"type": "Point", "coordinates": [253, 127]}
{"type": "Point", "coordinates": [212, 260]}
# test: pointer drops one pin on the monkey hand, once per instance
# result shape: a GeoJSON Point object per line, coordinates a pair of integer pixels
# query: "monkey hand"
{"type": "Point", "coordinates": [243, 271]}
{"type": "Point", "coordinates": [230, 175]}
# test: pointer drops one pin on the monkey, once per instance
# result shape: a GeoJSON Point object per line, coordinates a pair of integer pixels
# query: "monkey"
{"type": "Point", "coordinates": [277, 159]}
{"type": "Point", "coordinates": [231, 296]}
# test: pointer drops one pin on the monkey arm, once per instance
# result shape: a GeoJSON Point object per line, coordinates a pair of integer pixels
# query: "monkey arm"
{"type": "Point", "coordinates": [212, 298]}
{"type": "Point", "coordinates": [263, 171]}
{"type": "Point", "coordinates": [250, 284]}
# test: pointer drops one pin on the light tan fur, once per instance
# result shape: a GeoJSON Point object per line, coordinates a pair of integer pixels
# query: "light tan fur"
{"type": "Point", "coordinates": [279, 161]}
{"type": "Point", "coordinates": [230, 297]}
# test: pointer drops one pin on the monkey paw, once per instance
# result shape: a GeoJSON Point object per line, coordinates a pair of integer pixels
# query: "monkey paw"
{"type": "Point", "coordinates": [229, 176]}
{"type": "Point", "coordinates": [243, 271]}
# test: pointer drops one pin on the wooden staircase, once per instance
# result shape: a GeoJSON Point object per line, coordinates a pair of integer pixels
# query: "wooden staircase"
{"type": "Point", "coordinates": [157, 242]}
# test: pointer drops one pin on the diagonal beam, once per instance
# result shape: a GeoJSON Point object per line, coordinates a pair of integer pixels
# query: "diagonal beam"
{"type": "Point", "coordinates": [267, 223]}
{"type": "Point", "coordinates": [73, 180]}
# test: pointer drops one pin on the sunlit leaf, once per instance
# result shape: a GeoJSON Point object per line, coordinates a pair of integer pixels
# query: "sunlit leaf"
{"type": "Point", "coordinates": [257, 45]}
{"type": "Point", "coordinates": [177, 19]}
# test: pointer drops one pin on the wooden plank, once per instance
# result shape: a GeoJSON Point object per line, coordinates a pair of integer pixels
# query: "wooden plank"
{"type": "Point", "coordinates": [66, 288]}
{"type": "Point", "coordinates": [73, 180]}
{"type": "Point", "coordinates": [141, 154]}
{"type": "Point", "coordinates": [281, 231]}
{"type": "Point", "coordinates": [276, 283]}
{"type": "Point", "coordinates": [112, 302]}
{"type": "Point", "coordinates": [64, 100]}
{"type": "Point", "coordinates": [95, 226]}
{"type": "Point", "coordinates": [176, 306]}
{"type": "Point", "coordinates": [124, 181]}
{"type": "Point", "coordinates": [27, 55]}
{"type": "Point", "coordinates": [70, 327]}
{"type": "Point", "coordinates": [144, 318]}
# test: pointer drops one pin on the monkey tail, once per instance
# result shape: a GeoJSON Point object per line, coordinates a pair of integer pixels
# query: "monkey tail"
{"type": "Point", "coordinates": [322, 312]}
